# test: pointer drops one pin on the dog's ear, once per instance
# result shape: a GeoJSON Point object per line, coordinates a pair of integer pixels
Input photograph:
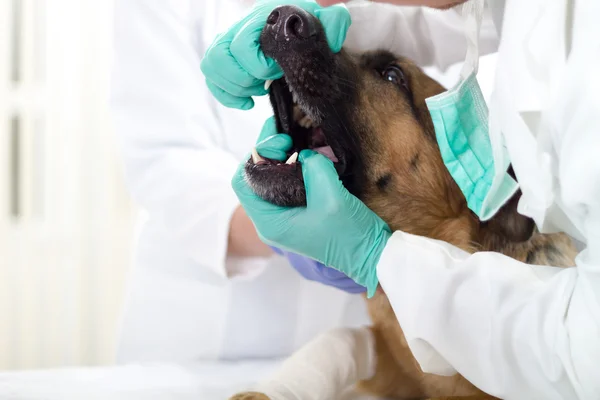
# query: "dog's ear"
{"type": "Point", "coordinates": [507, 225]}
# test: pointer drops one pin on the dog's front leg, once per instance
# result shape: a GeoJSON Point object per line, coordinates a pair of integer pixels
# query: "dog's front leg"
{"type": "Point", "coordinates": [323, 369]}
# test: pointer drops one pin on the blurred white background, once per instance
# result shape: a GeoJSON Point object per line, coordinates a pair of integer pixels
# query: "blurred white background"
{"type": "Point", "coordinates": [65, 217]}
{"type": "Point", "coordinates": [66, 221]}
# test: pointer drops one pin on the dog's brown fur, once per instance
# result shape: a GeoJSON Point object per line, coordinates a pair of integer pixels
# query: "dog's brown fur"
{"type": "Point", "coordinates": [422, 198]}
{"type": "Point", "coordinates": [408, 185]}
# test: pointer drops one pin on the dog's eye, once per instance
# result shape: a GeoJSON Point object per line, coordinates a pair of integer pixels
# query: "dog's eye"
{"type": "Point", "coordinates": [394, 74]}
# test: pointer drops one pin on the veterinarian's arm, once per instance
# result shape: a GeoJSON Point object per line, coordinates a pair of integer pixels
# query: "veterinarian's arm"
{"type": "Point", "coordinates": [428, 36]}
{"type": "Point", "coordinates": [517, 331]}
{"type": "Point", "coordinates": [169, 132]}
{"type": "Point", "coordinates": [513, 330]}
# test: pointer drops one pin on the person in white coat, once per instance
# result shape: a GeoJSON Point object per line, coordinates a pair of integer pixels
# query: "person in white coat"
{"type": "Point", "coordinates": [517, 331]}
{"type": "Point", "coordinates": [203, 285]}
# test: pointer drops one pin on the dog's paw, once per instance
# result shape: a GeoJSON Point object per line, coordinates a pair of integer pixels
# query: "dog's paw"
{"type": "Point", "coordinates": [250, 396]}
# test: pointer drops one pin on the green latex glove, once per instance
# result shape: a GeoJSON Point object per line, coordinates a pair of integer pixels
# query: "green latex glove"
{"type": "Point", "coordinates": [236, 68]}
{"type": "Point", "coordinates": [335, 228]}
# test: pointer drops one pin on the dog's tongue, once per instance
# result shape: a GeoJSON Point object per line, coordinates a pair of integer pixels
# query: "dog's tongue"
{"type": "Point", "coordinates": [327, 152]}
{"type": "Point", "coordinates": [318, 137]}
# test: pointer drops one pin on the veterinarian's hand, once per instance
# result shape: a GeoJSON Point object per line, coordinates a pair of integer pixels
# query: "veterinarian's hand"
{"type": "Point", "coordinates": [236, 68]}
{"type": "Point", "coordinates": [334, 228]}
{"type": "Point", "coordinates": [317, 272]}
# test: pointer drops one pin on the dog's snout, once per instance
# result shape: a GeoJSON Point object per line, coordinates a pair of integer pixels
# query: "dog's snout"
{"type": "Point", "coordinates": [291, 22]}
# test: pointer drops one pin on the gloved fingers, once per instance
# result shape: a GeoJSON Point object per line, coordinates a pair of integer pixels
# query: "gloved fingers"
{"type": "Point", "coordinates": [269, 129]}
{"type": "Point", "coordinates": [275, 147]}
{"type": "Point", "coordinates": [245, 48]}
{"type": "Point", "coordinates": [222, 68]}
{"type": "Point", "coordinates": [271, 144]}
{"type": "Point", "coordinates": [229, 100]}
{"type": "Point", "coordinates": [331, 274]}
{"type": "Point", "coordinates": [353, 288]}
{"type": "Point", "coordinates": [335, 20]}
{"type": "Point", "coordinates": [277, 250]}
{"type": "Point", "coordinates": [220, 63]}
{"type": "Point", "coordinates": [240, 91]}
{"type": "Point", "coordinates": [323, 185]}
{"type": "Point", "coordinates": [339, 280]}
{"type": "Point", "coordinates": [238, 84]}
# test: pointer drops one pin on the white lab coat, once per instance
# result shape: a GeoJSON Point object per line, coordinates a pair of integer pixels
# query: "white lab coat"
{"type": "Point", "coordinates": [187, 299]}
{"type": "Point", "coordinates": [519, 331]}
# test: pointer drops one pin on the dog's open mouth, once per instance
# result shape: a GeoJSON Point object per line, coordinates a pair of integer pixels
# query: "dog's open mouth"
{"type": "Point", "coordinates": [281, 181]}
{"type": "Point", "coordinates": [306, 103]}
{"type": "Point", "coordinates": [293, 120]}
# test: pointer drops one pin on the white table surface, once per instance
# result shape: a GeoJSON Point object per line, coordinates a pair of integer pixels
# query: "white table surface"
{"type": "Point", "coordinates": [202, 381]}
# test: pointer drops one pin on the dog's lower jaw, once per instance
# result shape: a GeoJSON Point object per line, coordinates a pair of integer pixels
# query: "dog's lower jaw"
{"type": "Point", "coordinates": [281, 186]}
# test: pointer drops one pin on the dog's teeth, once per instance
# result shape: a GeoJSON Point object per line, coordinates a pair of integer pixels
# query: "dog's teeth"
{"type": "Point", "coordinates": [256, 158]}
{"type": "Point", "coordinates": [268, 84]}
{"type": "Point", "coordinates": [306, 122]}
{"type": "Point", "coordinates": [293, 158]}
{"type": "Point", "coordinates": [298, 114]}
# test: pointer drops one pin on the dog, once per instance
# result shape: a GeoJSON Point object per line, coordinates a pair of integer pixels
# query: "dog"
{"type": "Point", "coordinates": [367, 113]}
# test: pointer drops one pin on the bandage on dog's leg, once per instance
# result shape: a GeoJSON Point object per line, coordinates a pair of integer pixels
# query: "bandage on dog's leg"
{"type": "Point", "coordinates": [325, 367]}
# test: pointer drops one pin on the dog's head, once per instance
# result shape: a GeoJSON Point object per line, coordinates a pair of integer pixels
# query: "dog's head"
{"type": "Point", "coordinates": [367, 113]}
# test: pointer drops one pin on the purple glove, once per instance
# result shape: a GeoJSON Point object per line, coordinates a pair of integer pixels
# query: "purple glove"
{"type": "Point", "coordinates": [315, 271]}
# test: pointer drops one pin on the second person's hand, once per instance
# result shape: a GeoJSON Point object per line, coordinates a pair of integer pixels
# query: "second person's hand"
{"type": "Point", "coordinates": [236, 68]}
{"type": "Point", "coordinates": [335, 228]}
{"type": "Point", "coordinates": [317, 272]}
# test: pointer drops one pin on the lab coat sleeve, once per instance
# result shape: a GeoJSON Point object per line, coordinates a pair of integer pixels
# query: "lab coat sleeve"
{"type": "Point", "coordinates": [165, 119]}
{"type": "Point", "coordinates": [430, 37]}
{"type": "Point", "coordinates": [514, 330]}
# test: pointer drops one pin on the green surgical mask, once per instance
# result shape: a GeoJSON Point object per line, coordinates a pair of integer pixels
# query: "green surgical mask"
{"type": "Point", "coordinates": [460, 119]}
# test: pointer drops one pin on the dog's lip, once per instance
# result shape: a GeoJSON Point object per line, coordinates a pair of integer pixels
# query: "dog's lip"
{"type": "Point", "coordinates": [257, 159]}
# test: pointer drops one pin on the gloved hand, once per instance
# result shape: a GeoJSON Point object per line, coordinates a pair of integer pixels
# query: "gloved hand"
{"type": "Point", "coordinates": [236, 68]}
{"type": "Point", "coordinates": [317, 272]}
{"type": "Point", "coordinates": [335, 228]}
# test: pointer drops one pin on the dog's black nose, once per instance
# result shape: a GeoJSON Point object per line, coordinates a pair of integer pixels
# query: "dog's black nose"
{"type": "Point", "coordinates": [291, 22]}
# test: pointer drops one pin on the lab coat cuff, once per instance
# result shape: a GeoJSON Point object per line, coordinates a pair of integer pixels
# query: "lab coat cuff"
{"type": "Point", "coordinates": [215, 254]}
{"type": "Point", "coordinates": [231, 267]}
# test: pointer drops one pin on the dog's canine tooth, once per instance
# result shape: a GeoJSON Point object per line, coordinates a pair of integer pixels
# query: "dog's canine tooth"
{"type": "Point", "coordinates": [298, 114]}
{"type": "Point", "coordinates": [256, 158]}
{"type": "Point", "coordinates": [293, 158]}
{"type": "Point", "coordinates": [306, 122]}
{"type": "Point", "coordinates": [268, 84]}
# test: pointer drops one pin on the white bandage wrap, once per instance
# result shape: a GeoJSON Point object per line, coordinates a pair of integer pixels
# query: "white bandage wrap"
{"type": "Point", "coordinates": [325, 367]}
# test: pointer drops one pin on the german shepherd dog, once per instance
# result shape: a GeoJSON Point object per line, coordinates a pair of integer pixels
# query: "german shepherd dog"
{"type": "Point", "coordinates": [367, 113]}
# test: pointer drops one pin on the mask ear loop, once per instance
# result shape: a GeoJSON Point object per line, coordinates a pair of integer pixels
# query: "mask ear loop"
{"type": "Point", "coordinates": [472, 14]}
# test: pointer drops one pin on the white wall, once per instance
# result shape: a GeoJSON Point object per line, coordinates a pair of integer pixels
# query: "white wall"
{"type": "Point", "coordinates": [65, 217]}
